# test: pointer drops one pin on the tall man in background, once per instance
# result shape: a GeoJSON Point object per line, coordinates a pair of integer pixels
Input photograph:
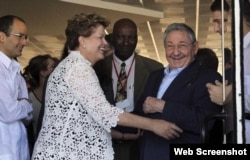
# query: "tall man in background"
{"type": "Point", "coordinates": [216, 91]}
{"type": "Point", "coordinates": [124, 40]}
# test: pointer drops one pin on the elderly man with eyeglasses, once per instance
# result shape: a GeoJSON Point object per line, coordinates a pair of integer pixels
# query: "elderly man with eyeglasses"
{"type": "Point", "coordinates": [177, 93]}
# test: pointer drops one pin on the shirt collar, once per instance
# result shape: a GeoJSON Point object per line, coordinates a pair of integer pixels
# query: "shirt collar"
{"type": "Point", "coordinates": [128, 61]}
{"type": "Point", "coordinates": [78, 53]}
{"type": "Point", "coordinates": [177, 70]}
{"type": "Point", "coordinates": [173, 71]}
{"type": "Point", "coordinates": [9, 63]}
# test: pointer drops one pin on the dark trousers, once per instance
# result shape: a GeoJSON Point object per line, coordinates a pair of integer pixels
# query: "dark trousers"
{"type": "Point", "coordinates": [126, 150]}
{"type": "Point", "coordinates": [230, 138]}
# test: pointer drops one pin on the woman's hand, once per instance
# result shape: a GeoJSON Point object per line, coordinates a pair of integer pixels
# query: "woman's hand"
{"type": "Point", "coordinates": [166, 129]}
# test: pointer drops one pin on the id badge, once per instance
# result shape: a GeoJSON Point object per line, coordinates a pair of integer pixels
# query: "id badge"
{"type": "Point", "coordinates": [123, 104]}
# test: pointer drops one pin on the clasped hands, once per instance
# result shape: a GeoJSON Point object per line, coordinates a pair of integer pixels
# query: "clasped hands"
{"type": "Point", "coordinates": [153, 105]}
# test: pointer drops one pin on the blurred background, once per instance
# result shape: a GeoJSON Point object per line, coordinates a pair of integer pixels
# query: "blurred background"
{"type": "Point", "coordinates": [47, 19]}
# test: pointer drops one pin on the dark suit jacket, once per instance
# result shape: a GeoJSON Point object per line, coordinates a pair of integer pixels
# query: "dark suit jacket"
{"type": "Point", "coordinates": [187, 104]}
{"type": "Point", "coordinates": [143, 67]}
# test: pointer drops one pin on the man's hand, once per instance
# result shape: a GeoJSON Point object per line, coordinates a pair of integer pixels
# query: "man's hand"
{"type": "Point", "coordinates": [153, 105]}
{"type": "Point", "coordinates": [132, 136]}
{"type": "Point", "coordinates": [125, 136]}
{"type": "Point", "coordinates": [216, 92]}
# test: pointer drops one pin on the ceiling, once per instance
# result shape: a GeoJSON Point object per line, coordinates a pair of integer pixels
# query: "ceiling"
{"type": "Point", "coordinates": [46, 21]}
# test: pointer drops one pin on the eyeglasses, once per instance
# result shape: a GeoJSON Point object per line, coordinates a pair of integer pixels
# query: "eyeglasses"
{"type": "Point", "coordinates": [180, 47]}
{"type": "Point", "coordinates": [21, 36]}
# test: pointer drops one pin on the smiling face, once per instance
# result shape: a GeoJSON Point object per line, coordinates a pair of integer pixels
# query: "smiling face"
{"type": "Point", "coordinates": [13, 44]}
{"type": "Point", "coordinates": [179, 49]}
{"type": "Point", "coordinates": [93, 47]}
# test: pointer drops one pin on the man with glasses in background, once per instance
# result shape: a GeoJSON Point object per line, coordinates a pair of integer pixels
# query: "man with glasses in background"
{"type": "Point", "coordinates": [15, 107]}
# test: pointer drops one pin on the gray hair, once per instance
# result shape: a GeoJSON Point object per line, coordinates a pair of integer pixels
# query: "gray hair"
{"type": "Point", "coordinates": [179, 27]}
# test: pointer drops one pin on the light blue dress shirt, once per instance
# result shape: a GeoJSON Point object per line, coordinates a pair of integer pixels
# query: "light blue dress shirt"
{"type": "Point", "coordinates": [169, 76]}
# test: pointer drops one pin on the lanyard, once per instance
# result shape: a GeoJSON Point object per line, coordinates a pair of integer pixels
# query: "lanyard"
{"type": "Point", "coordinates": [127, 74]}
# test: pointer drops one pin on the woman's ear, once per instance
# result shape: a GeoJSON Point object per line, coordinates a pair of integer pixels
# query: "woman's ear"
{"type": "Point", "coordinates": [81, 40]}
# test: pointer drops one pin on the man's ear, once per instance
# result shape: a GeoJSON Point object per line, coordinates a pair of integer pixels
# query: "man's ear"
{"type": "Point", "coordinates": [196, 47]}
{"type": "Point", "coordinates": [2, 36]}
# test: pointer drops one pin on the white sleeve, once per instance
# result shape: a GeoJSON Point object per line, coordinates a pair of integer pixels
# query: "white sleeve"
{"type": "Point", "coordinates": [11, 109]}
{"type": "Point", "coordinates": [247, 93]}
{"type": "Point", "coordinates": [86, 87]}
